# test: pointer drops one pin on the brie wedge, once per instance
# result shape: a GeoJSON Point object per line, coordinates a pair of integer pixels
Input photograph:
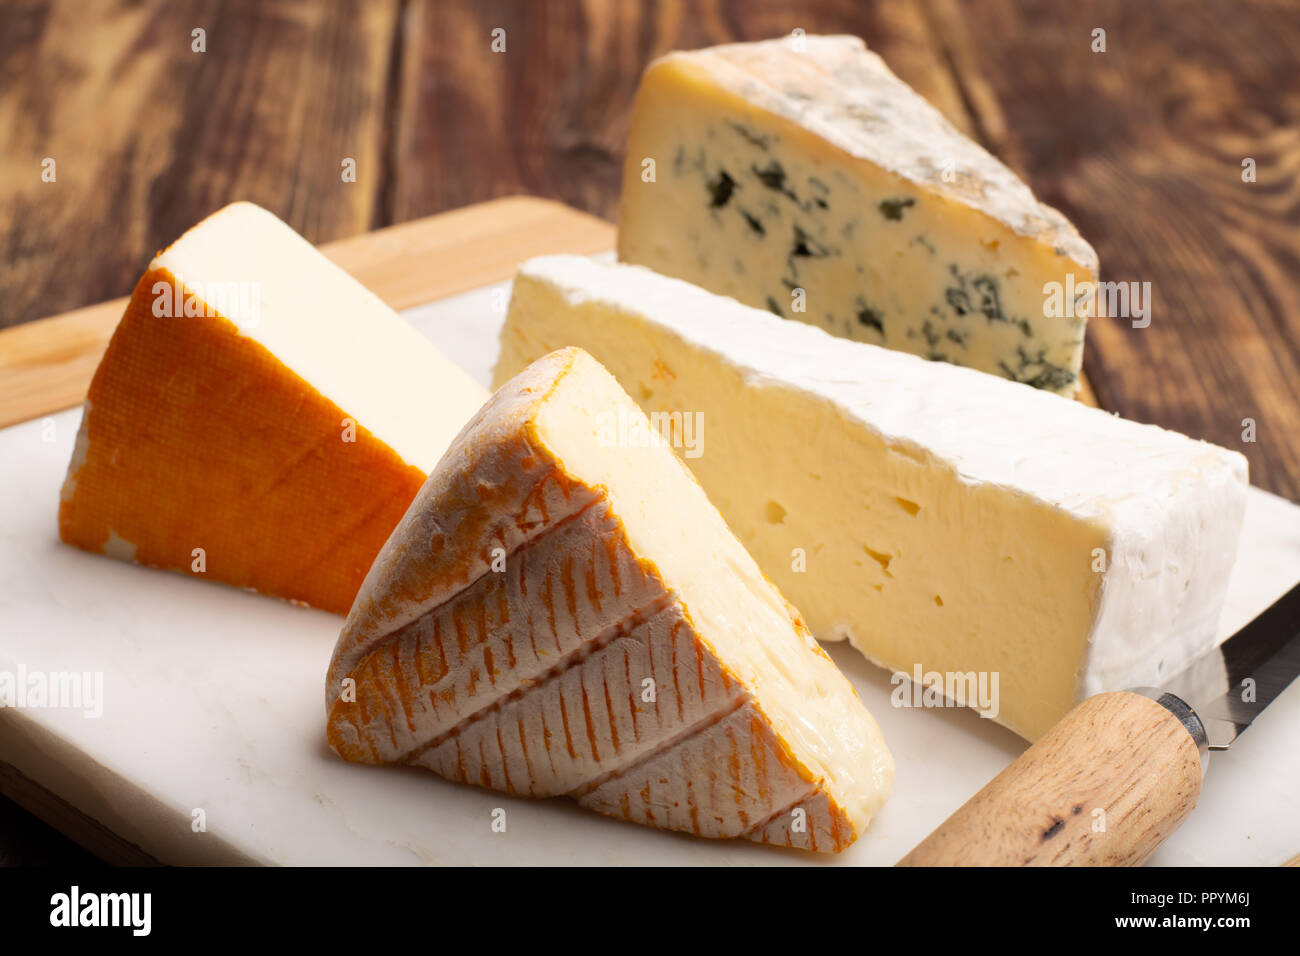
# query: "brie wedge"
{"type": "Point", "coordinates": [939, 518]}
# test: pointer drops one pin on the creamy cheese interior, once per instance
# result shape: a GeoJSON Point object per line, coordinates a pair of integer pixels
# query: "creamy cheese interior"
{"type": "Point", "coordinates": [736, 611]}
{"type": "Point", "coordinates": [246, 265]}
{"type": "Point", "coordinates": [817, 185]}
{"type": "Point", "coordinates": [935, 516]}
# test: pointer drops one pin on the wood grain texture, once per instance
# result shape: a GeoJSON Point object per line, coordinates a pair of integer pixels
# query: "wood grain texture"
{"type": "Point", "coordinates": [1119, 760]}
{"type": "Point", "coordinates": [1142, 146]}
{"type": "Point", "coordinates": [549, 115]}
{"type": "Point", "coordinates": [35, 845]}
{"type": "Point", "coordinates": [148, 136]}
{"type": "Point", "coordinates": [47, 365]}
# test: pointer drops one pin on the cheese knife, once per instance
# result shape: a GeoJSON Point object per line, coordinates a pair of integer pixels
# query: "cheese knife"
{"type": "Point", "coordinates": [1123, 769]}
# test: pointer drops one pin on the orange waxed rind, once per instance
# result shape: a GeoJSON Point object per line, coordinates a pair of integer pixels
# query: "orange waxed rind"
{"type": "Point", "coordinates": [197, 437]}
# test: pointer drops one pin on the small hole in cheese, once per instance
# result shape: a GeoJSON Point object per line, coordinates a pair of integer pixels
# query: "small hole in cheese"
{"type": "Point", "coordinates": [880, 558]}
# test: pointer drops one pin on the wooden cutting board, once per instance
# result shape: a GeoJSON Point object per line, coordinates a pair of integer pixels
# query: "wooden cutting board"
{"type": "Point", "coordinates": [46, 365]}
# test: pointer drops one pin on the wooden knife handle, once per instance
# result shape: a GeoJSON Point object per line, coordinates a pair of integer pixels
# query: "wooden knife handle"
{"type": "Point", "coordinates": [1104, 787]}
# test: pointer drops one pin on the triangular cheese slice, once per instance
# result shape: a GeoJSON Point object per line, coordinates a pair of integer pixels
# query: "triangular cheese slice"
{"type": "Point", "coordinates": [806, 179]}
{"type": "Point", "coordinates": [562, 611]}
{"type": "Point", "coordinates": [259, 418]}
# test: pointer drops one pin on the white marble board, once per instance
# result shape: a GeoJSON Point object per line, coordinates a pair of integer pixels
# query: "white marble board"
{"type": "Point", "coordinates": [213, 701]}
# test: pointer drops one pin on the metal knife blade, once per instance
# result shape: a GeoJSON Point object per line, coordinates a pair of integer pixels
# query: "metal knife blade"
{"type": "Point", "coordinates": [1231, 685]}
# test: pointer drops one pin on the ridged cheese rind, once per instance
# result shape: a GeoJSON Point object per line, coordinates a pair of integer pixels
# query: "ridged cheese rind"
{"type": "Point", "coordinates": [933, 515]}
{"type": "Point", "coordinates": [554, 616]}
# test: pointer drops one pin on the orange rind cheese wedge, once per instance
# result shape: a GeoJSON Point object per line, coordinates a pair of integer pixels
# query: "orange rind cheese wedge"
{"type": "Point", "coordinates": [563, 611]}
{"type": "Point", "coordinates": [259, 418]}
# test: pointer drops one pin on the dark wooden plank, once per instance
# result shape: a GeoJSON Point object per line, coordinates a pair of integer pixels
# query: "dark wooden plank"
{"type": "Point", "coordinates": [47, 365]}
{"type": "Point", "coordinates": [27, 837]}
{"type": "Point", "coordinates": [25, 840]}
{"type": "Point", "coordinates": [148, 136]}
{"type": "Point", "coordinates": [549, 116]}
{"type": "Point", "coordinates": [1142, 147]}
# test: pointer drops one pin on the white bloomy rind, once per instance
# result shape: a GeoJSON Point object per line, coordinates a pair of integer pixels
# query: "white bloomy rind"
{"type": "Point", "coordinates": [1165, 509]}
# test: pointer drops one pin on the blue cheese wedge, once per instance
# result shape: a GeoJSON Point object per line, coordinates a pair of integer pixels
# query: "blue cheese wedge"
{"type": "Point", "coordinates": [801, 176]}
{"type": "Point", "coordinates": [937, 517]}
{"type": "Point", "coordinates": [562, 611]}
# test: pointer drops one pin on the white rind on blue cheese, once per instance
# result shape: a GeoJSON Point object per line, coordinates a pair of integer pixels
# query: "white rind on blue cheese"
{"type": "Point", "coordinates": [944, 517]}
{"type": "Point", "coordinates": [819, 186]}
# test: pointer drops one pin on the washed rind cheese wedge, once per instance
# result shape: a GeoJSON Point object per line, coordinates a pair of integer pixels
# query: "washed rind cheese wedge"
{"type": "Point", "coordinates": [259, 418]}
{"type": "Point", "coordinates": [802, 176]}
{"type": "Point", "coordinates": [941, 519]}
{"type": "Point", "coordinates": [561, 614]}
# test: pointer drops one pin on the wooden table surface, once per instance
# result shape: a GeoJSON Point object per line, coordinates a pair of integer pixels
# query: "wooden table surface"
{"type": "Point", "coordinates": [1142, 146]}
